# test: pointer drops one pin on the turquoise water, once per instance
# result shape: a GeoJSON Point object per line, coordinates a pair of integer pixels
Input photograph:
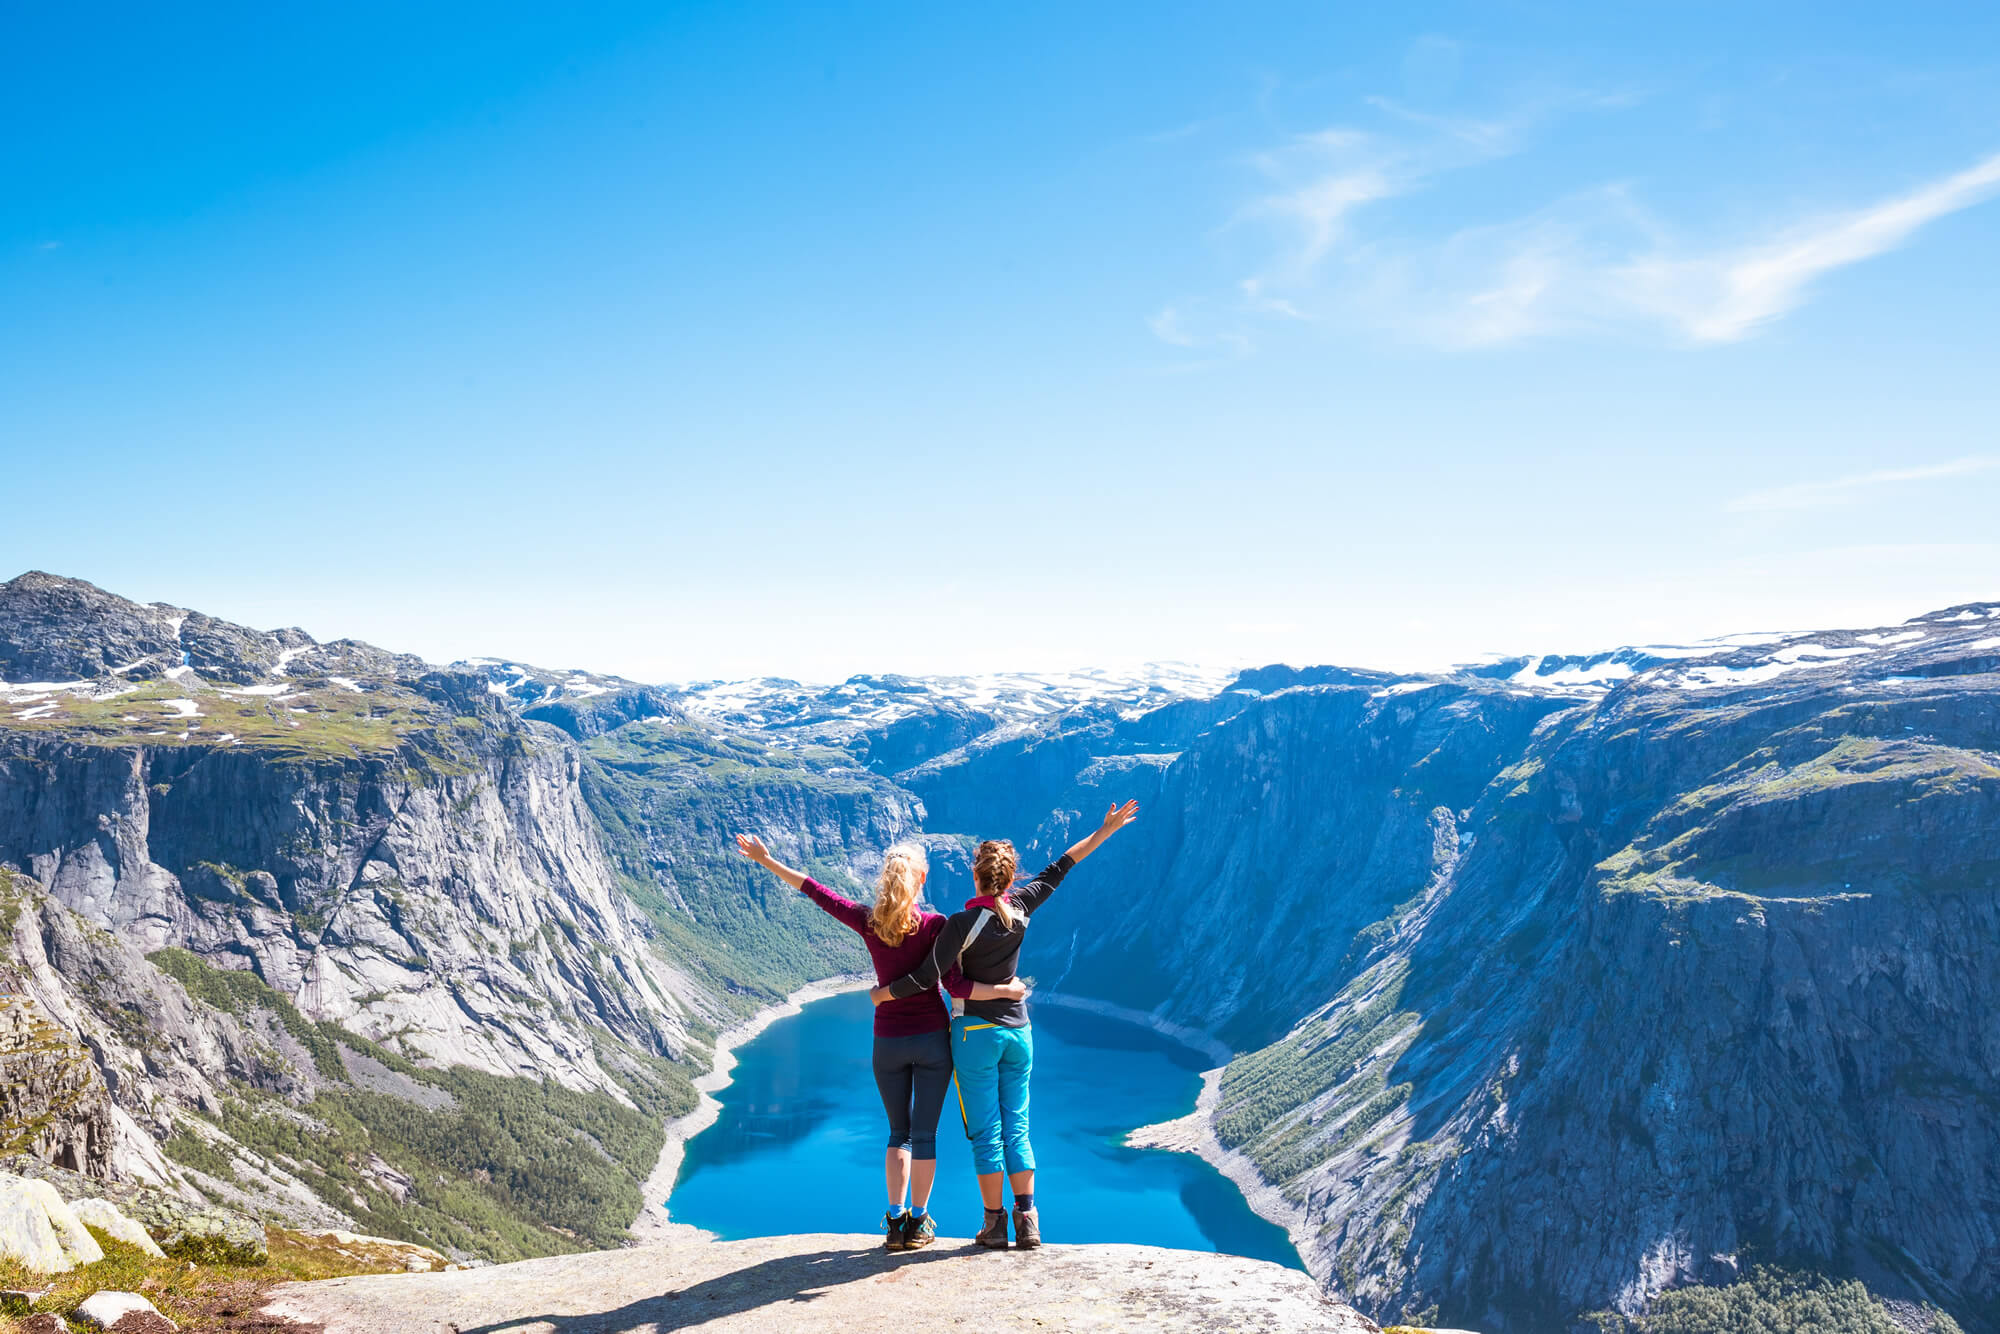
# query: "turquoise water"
{"type": "Point", "coordinates": [798, 1147]}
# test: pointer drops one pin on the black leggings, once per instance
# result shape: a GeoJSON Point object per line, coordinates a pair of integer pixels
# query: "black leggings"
{"type": "Point", "coordinates": [913, 1074]}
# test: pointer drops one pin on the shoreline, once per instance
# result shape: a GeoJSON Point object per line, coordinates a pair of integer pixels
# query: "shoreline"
{"type": "Point", "coordinates": [1195, 1134]}
{"type": "Point", "coordinates": [655, 1224]}
{"type": "Point", "coordinates": [1193, 1039]}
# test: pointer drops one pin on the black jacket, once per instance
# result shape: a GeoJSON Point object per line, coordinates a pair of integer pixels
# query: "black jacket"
{"type": "Point", "coordinates": [995, 952]}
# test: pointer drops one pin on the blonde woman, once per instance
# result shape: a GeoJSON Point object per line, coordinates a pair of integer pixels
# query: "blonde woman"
{"type": "Point", "coordinates": [912, 1035]}
{"type": "Point", "coordinates": [992, 1045]}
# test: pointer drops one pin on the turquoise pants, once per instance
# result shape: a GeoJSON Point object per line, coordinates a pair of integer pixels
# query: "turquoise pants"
{"type": "Point", "coordinates": [992, 1065]}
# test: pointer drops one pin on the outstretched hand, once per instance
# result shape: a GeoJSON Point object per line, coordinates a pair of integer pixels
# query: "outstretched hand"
{"type": "Point", "coordinates": [1115, 819]}
{"type": "Point", "coordinates": [753, 847]}
{"type": "Point", "coordinates": [1118, 817]}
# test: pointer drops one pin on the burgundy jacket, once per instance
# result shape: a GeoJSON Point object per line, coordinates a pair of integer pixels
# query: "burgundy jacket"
{"type": "Point", "coordinates": [906, 1016]}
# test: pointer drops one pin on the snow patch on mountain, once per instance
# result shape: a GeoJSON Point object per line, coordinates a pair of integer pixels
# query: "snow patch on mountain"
{"type": "Point", "coordinates": [828, 713]}
{"type": "Point", "coordinates": [526, 686]}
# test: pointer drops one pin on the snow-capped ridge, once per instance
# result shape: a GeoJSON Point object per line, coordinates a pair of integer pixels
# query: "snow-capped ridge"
{"type": "Point", "coordinates": [830, 713]}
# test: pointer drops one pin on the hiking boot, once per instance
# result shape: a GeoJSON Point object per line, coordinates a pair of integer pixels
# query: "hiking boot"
{"type": "Point", "coordinates": [918, 1232]}
{"type": "Point", "coordinates": [994, 1235]}
{"type": "Point", "coordinates": [892, 1224]}
{"type": "Point", "coordinates": [1027, 1230]}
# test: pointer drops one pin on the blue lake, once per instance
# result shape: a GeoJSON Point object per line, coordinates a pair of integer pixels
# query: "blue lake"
{"type": "Point", "coordinates": [798, 1147]}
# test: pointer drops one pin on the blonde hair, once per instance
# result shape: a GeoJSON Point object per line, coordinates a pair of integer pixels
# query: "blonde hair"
{"type": "Point", "coordinates": [993, 871]}
{"type": "Point", "coordinates": [895, 913]}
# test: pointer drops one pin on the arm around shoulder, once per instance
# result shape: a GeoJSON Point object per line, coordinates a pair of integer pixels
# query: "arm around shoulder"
{"type": "Point", "coordinates": [943, 956]}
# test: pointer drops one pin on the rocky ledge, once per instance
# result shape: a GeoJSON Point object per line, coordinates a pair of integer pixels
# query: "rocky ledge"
{"type": "Point", "coordinates": [830, 1284]}
{"type": "Point", "coordinates": [187, 1230]}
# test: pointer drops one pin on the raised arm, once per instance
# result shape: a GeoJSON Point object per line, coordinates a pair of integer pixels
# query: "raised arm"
{"type": "Point", "coordinates": [753, 847]}
{"type": "Point", "coordinates": [1115, 819]}
{"type": "Point", "coordinates": [1034, 893]}
{"type": "Point", "coordinates": [843, 910]}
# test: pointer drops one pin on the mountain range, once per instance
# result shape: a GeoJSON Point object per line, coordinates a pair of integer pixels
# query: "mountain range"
{"type": "Point", "coordinates": [1555, 982]}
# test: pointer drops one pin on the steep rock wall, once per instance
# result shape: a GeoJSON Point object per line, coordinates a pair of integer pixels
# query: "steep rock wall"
{"type": "Point", "coordinates": [460, 906]}
{"type": "Point", "coordinates": [1713, 980]}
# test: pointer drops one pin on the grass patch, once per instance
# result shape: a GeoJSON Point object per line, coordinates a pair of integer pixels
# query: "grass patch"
{"type": "Point", "coordinates": [318, 720]}
{"type": "Point", "coordinates": [1263, 1086]}
{"type": "Point", "coordinates": [13, 895]}
{"type": "Point", "coordinates": [199, 1296]}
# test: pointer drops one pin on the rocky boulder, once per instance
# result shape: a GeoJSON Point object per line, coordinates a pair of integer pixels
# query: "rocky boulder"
{"type": "Point", "coordinates": [41, 1232]}
{"type": "Point", "coordinates": [123, 1313]}
{"type": "Point", "coordinates": [108, 1219]}
{"type": "Point", "coordinates": [182, 1228]}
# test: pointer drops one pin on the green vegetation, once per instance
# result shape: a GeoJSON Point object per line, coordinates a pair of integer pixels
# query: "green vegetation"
{"type": "Point", "coordinates": [191, 1150]}
{"type": "Point", "coordinates": [1264, 1093]}
{"type": "Point", "coordinates": [1522, 775]}
{"type": "Point", "coordinates": [315, 721]}
{"type": "Point", "coordinates": [667, 797]}
{"type": "Point", "coordinates": [1769, 1301]}
{"type": "Point", "coordinates": [239, 993]}
{"type": "Point", "coordinates": [203, 1295]}
{"type": "Point", "coordinates": [505, 1170]}
{"type": "Point", "coordinates": [13, 893]}
{"type": "Point", "coordinates": [1707, 843]}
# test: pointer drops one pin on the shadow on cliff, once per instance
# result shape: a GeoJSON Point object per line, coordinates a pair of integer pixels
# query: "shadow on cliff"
{"type": "Point", "coordinates": [788, 1278]}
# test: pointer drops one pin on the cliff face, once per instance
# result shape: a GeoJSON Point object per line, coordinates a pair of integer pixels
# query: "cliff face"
{"type": "Point", "coordinates": [1272, 839]}
{"type": "Point", "coordinates": [133, 1052]}
{"type": "Point", "coordinates": [1713, 978]}
{"type": "Point", "coordinates": [669, 798]}
{"type": "Point", "coordinates": [458, 905]}
{"type": "Point", "coordinates": [257, 877]}
{"type": "Point", "coordinates": [324, 845]}
{"type": "Point", "coordinates": [53, 1103]}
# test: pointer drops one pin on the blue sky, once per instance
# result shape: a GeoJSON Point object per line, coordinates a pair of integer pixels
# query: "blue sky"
{"type": "Point", "coordinates": [688, 341]}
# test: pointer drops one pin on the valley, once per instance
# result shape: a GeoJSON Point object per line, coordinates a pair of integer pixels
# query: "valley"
{"type": "Point", "coordinates": [1555, 983]}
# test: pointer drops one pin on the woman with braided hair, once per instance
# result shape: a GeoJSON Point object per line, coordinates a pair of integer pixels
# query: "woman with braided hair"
{"type": "Point", "coordinates": [912, 1034]}
{"type": "Point", "coordinates": [992, 1046]}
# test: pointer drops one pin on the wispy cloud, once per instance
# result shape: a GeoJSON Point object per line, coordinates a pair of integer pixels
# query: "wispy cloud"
{"type": "Point", "coordinates": [1315, 184]}
{"type": "Point", "coordinates": [1846, 490]}
{"type": "Point", "coordinates": [1593, 261]}
{"type": "Point", "coordinates": [1166, 327]}
{"type": "Point", "coordinates": [1726, 297]}
{"type": "Point", "coordinates": [1255, 299]}
{"type": "Point", "coordinates": [1170, 327]}
{"type": "Point", "coordinates": [1599, 261]}
{"type": "Point", "coordinates": [1320, 180]}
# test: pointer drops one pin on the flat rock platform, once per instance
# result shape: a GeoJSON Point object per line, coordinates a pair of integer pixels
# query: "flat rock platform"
{"type": "Point", "coordinates": [830, 1284]}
